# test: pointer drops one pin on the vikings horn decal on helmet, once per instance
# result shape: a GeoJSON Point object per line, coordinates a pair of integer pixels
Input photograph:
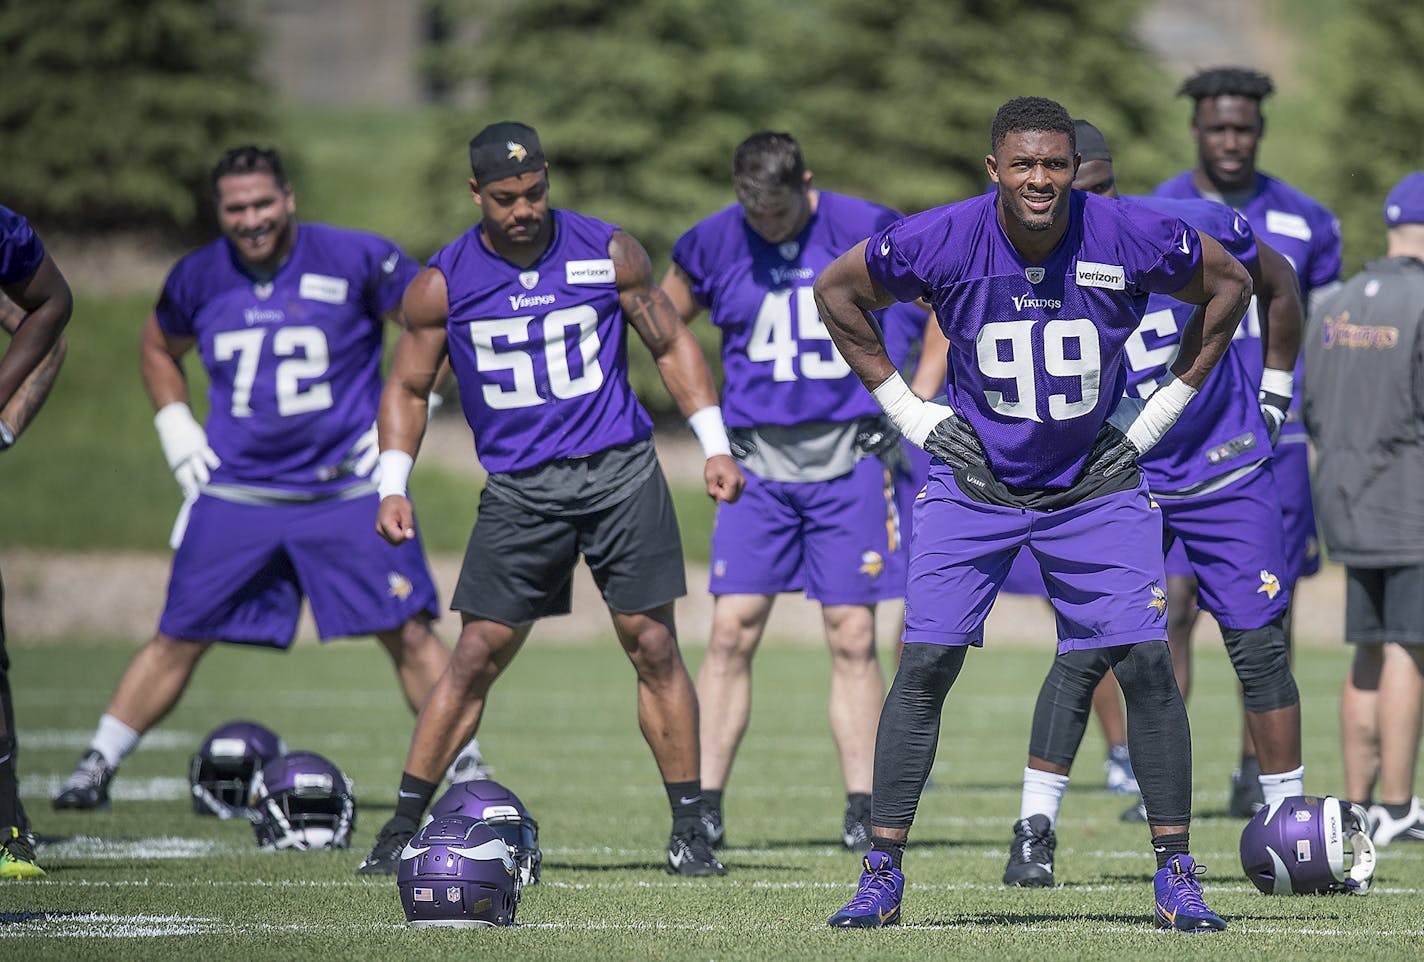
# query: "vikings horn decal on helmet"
{"type": "Point", "coordinates": [220, 774]}
{"type": "Point", "coordinates": [496, 805]}
{"type": "Point", "coordinates": [1307, 844]}
{"type": "Point", "coordinates": [301, 800]}
{"type": "Point", "coordinates": [457, 873]}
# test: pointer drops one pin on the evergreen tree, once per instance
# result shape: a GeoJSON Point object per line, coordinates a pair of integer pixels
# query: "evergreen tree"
{"type": "Point", "coordinates": [114, 111]}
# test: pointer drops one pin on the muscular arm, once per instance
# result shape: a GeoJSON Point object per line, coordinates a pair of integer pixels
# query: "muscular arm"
{"type": "Point", "coordinates": [681, 365]}
{"type": "Point", "coordinates": [1223, 287]}
{"type": "Point", "coordinates": [678, 287]}
{"type": "Point", "coordinates": [25, 403]}
{"type": "Point", "coordinates": [419, 352]}
{"type": "Point", "coordinates": [845, 296]}
{"type": "Point", "coordinates": [45, 304]}
{"type": "Point", "coordinates": [160, 363]}
{"type": "Point", "coordinates": [1282, 314]}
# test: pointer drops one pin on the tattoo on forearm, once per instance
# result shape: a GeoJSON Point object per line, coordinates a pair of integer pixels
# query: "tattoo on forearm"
{"type": "Point", "coordinates": [651, 314]}
{"type": "Point", "coordinates": [26, 401]}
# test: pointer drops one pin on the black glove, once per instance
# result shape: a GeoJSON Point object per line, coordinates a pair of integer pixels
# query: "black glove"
{"type": "Point", "coordinates": [954, 442]}
{"type": "Point", "coordinates": [1112, 452]}
{"type": "Point", "coordinates": [876, 436]}
{"type": "Point", "coordinates": [1273, 409]}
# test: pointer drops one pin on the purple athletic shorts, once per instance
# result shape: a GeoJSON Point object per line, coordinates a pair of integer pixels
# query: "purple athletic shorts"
{"type": "Point", "coordinates": [1292, 472]}
{"type": "Point", "coordinates": [1231, 540]}
{"type": "Point", "coordinates": [241, 571]}
{"type": "Point", "coordinates": [1101, 560]}
{"type": "Point", "coordinates": [839, 540]}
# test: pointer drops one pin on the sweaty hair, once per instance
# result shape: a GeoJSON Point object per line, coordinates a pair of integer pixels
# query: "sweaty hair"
{"type": "Point", "coordinates": [1227, 82]}
{"type": "Point", "coordinates": [249, 160]}
{"type": "Point", "coordinates": [1031, 113]}
{"type": "Point", "coordinates": [767, 162]}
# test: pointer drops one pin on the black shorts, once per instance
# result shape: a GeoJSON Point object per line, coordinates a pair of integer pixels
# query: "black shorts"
{"type": "Point", "coordinates": [519, 564]}
{"type": "Point", "coordinates": [1384, 605]}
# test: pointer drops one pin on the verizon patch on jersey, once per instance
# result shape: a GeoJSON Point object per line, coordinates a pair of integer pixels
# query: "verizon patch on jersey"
{"type": "Point", "coordinates": [320, 287]}
{"type": "Point", "coordinates": [589, 272]}
{"type": "Point", "coordinates": [1287, 225]}
{"type": "Point", "coordinates": [1110, 276]}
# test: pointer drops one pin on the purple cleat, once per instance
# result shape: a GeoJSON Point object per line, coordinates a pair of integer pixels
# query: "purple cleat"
{"type": "Point", "coordinates": [1179, 902]}
{"type": "Point", "coordinates": [877, 900]}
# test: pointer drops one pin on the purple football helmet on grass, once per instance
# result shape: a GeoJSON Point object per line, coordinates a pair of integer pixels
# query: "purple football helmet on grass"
{"type": "Point", "coordinates": [490, 802]}
{"type": "Point", "coordinates": [302, 801]}
{"type": "Point", "coordinates": [1306, 845]}
{"type": "Point", "coordinates": [220, 774]}
{"type": "Point", "coordinates": [457, 873]}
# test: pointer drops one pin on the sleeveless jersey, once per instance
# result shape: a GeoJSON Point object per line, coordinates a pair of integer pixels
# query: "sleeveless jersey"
{"type": "Point", "coordinates": [780, 365]}
{"type": "Point", "coordinates": [1036, 352]}
{"type": "Point", "coordinates": [294, 362]}
{"type": "Point", "coordinates": [540, 352]}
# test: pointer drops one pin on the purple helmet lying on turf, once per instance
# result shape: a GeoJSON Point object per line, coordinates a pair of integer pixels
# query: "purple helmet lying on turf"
{"type": "Point", "coordinates": [301, 800]}
{"type": "Point", "coordinates": [491, 802]}
{"type": "Point", "coordinates": [1306, 844]}
{"type": "Point", "coordinates": [457, 873]}
{"type": "Point", "coordinates": [220, 774]}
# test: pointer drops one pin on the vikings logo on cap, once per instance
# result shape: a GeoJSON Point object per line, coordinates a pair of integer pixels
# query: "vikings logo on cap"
{"type": "Point", "coordinates": [516, 151]}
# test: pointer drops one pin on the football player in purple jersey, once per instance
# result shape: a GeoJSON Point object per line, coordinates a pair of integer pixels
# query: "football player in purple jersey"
{"type": "Point", "coordinates": [288, 319]}
{"type": "Point", "coordinates": [1038, 288]}
{"type": "Point", "coordinates": [531, 305]}
{"type": "Point", "coordinates": [1210, 474]}
{"type": "Point", "coordinates": [33, 311]}
{"type": "Point", "coordinates": [819, 513]}
{"type": "Point", "coordinates": [1227, 126]}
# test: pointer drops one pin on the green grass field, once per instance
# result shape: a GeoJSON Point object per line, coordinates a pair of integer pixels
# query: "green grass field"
{"type": "Point", "coordinates": [151, 881]}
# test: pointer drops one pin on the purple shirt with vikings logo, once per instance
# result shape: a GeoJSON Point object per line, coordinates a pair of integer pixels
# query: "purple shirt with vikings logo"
{"type": "Point", "coordinates": [539, 352]}
{"type": "Point", "coordinates": [781, 367]}
{"type": "Point", "coordinates": [1036, 351]}
{"type": "Point", "coordinates": [1222, 429]}
{"type": "Point", "coordinates": [294, 361]}
{"type": "Point", "coordinates": [1298, 226]}
{"type": "Point", "coordinates": [20, 249]}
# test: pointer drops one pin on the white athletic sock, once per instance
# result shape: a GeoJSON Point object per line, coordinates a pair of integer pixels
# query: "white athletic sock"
{"type": "Point", "coordinates": [1283, 785]}
{"type": "Point", "coordinates": [1042, 794]}
{"type": "Point", "coordinates": [114, 740]}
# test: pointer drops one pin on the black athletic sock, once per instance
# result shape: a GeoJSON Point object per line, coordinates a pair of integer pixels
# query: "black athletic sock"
{"type": "Point", "coordinates": [685, 798]}
{"type": "Point", "coordinates": [414, 797]}
{"type": "Point", "coordinates": [858, 802]}
{"type": "Point", "coordinates": [1165, 846]}
{"type": "Point", "coordinates": [9, 786]}
{"type": "Point", "coordinates": [1395, 811]}
{"type": "Point", "coordinates": [891, 847]}
{"type": "Point", "coordinates": [712, 798]}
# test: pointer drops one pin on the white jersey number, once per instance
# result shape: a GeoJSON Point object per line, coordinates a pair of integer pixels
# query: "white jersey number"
{"type": "Point", "coordinates": [771, 338]}
{"type": "Point", "coordinates": [575, 327]}
{"type": "Point", "coordinates": [1004, 350]}
{"type": "Point", "coordinates": [307, 359]}
{"type": "Point", "coordinates": [1142, 358]}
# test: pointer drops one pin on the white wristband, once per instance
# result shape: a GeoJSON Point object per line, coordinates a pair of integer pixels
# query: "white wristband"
{"type": "Point", "coordinates": [711, 432]}
{"type": "Point", "coordinates": [1160, 412]}
{"type": "Point", "coordinates": [7, 436]}
{"type": "Point", "coordinates": [1278, 382]}
{"type": "Point", "coordinates": [912, 416]}
{"type": "Point", "coordinates": [395, 468]}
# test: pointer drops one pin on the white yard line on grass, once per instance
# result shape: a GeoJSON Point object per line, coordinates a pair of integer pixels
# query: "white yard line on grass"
{"type": "Point", "coordinates": [159, 788]}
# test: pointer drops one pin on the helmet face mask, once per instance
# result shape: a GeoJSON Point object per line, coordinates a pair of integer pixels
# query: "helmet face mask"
{"type": "Point", "coordinates": [456, 872]}
{"type": "Point", "coordinates": [492, 803]}
{"type": "Point", "coordinates": [1308, 844]}
{"type": "Point", "coordinates": [302, 801]}
{"type": "Point", "coordinates": [221, 771]}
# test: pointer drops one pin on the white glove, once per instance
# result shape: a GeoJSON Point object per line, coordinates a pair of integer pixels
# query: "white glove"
{"type": "Point", "coordinates": [185, 447]}
{"type": "Point", "coordinates": [365, 454]}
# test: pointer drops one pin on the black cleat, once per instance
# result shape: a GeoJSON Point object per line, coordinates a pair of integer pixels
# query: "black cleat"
{"type": "Point", "coordinates": [689, 853]}
{"type": "Point", "coordinates": [711, 818]}
{"type": "Point", "coordinates": [1246, 796]}
{"type": "Point", "coordinates": [855, 829]}
{"type": "Point", "coordinates": [385, 856]}
{"type": "Point", "coordinates": [87, 787]}
{"type": "Point", "coordinates": [1031, 854]}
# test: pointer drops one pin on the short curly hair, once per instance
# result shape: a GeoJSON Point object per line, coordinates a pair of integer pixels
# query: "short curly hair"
{"type": "Point", "coordinates": [1227, 82]}
{"type": "Point", "coordinates": [1031, 113]}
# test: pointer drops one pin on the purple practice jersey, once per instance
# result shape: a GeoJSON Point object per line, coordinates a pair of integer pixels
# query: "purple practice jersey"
{"type": "Point", "coordinates": [20, 249]}
{"type": "Point", "coordinates": [1291, 222]}
{"type": "Point", "coordinates": [1036, 351]}
{"type": "Point", "coordinates": [294, 362]}
{"type": "Point", "coordinates": [1223, 428]}
{"type": "Point", "coordinates": [781, 366]}
{"type": "Point", "coordinates": [539, 352]}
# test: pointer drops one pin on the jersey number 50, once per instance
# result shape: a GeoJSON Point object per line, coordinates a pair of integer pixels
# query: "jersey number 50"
{"type": "Point", "coordinates": [580, 321]}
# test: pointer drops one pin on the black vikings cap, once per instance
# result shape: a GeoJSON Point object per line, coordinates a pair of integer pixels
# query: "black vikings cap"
{"type": "Point", "coordinates": [505, 149]}
{"type": "Point", "coordinates": [1091, 143]}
